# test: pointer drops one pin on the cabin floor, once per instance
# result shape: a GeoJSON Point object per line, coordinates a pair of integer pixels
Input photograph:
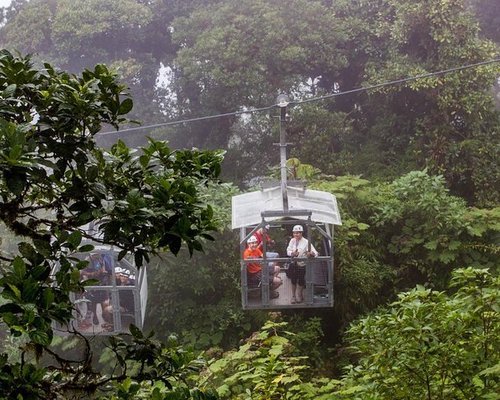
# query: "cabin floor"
{"type": "Point", "coordinates": [87, 324]}
{"type": "Point", "coordinates": [285, 292]}
{"type": "Point", "coordinates": [285, 297]}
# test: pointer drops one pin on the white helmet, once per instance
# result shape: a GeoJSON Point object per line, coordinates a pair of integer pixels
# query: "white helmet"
{"type": "Point", "coordinates": [298, 228]}
{"type": "Point", "coordinates": [252, 239]}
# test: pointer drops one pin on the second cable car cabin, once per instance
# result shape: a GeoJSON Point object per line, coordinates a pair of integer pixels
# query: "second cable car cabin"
{"type": "Point", "coordinates": [262, 212]}
{"type": "Point", "coordinates": [117, 298]}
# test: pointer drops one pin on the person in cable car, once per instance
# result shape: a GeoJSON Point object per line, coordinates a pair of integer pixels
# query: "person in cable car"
{"type": "Point", "coordinates": [254, 270]}
{"type": "Point", "coordinates": [99, 267]}
{"type": "Point", "coordinates": [124, 277]}
{"type": "Point", "coordinates": [299, 247]}
{"type": "Point", "coordinates": [261, 235]}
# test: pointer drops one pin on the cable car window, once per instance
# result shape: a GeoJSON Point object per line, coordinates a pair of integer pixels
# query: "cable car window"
{"type": "Point", "coordinates": [115, 298]}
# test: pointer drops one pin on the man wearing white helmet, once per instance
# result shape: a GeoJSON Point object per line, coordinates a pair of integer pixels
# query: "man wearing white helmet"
{"type": "Point", "coordinates": [299, 247]}
{"type": "Point", "coordinates": [254, 270]}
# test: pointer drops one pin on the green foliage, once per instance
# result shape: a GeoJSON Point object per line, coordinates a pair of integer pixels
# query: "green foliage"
{"type": "Point", "coordinates": [362, 275]}
{"type": "Point", "coordinates": [446, 122]}
{"type": "Point", "coordinates": [199, 297]}
{"type": "Point", "coordinates": [153, 370]}
{"type": "Point", "coordinates": [308, 339]}
{"type": "Point", "coordinates": [429, 230]}
{"type": "Point", "coordinates": [394, 236]}
{"type": "Point", "coordinates": [53, 181]}
{"type": "Point", "coordinates": [430, 345]}
{"type": "Point", "coordinates": [242, 40]}
{"type": "Point", "coordinates": [269, 366]}
{"type": "Point", "coordinates": [250, 148]}
{"type": "Point", "coordinates": [262, 368]}
{"type": "Point", "coordinates": [128, 35]}
{"type": "Point", "coordinates": [225, 56]}
{"type": "Point", "coordinates": [220, 56]}
{"type": "Point", "coordinates": [241, 54]}
{"type": "Point", "coordinates": [322, 137]}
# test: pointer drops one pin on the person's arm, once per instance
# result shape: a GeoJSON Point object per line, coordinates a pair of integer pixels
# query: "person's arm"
{"type": "Point", "coordinates": [313, 252]}
{"type": "Point", "coordinates": [258, 236]}
{"type": "Point", "coordinates": [88, 274]}
{"type": "Point", "coordinates": [295, 248]}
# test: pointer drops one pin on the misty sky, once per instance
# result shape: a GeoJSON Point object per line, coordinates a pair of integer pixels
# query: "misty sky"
{"type": "Point", "coordinates": [4, 3]}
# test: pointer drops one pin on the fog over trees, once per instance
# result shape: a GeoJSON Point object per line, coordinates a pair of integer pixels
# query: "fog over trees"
{"type": "Point", "coordinates": [414, 167]}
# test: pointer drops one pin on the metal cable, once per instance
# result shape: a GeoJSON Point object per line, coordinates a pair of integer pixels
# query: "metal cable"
{"type": "Point", "coordinates": [312, 99]}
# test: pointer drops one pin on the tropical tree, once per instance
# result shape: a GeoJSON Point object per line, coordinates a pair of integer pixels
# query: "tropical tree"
{"type": "Point", "coordinates": [430, 345]}
{"type": "Point", "coordinates": [264, 367]}
{"type": "Point", "coordinates": [53, 181]}
{"type": "Point", "coordinates": [128, 35]}
{"type": "Point", "coordinates": [429, 232]}
{"type": "Point", "coordinates": [446, 122]}
{"type": "Point", "coordinates": [395, 236]}
{"type": "Point", "coordinates": [237, 55]}
{"type": "Point", "coordinates": [193, 58]}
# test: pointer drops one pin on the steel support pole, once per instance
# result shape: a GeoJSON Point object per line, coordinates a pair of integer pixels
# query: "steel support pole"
{"type": "Point", "coordinates": [283, 144]}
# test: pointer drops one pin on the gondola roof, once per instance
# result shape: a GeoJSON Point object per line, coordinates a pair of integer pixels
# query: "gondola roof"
{"type": "Point", "coordinates": [247, 208]}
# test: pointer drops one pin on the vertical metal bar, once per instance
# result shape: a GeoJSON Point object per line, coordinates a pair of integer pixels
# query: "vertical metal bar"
{"type": "Point", "coordinates": [265, 284]}
{"type": "Point", "coordinates": [137, 307]}
{"type": "Point", "coordinates": [243, 272]}
{"type": "Point", "coordinates": [284, 192]}
{"type": "Point", "coordinates": [308, 295]}
{"type": "Point", "coordinates": [331, 269]}
{"type": "Point", "coordinates": [115, 301]}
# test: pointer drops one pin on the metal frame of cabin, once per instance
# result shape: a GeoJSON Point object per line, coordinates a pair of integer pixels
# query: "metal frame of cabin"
{"type": "Point", "coordinates": [318, 213]}
{"type": "Point", "coordinates": [120, 318]}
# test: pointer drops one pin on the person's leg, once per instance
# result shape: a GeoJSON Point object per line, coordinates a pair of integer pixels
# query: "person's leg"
{"type": "Point", "coordinates": [294, 289]}
{"type": "Point", "coordinates": [301, 283]}
{"type": "Point", "coordinates": [300, 294]}
{"type": "Point", "coordinates": [276, 283]}
{"type": "Point", "coordinates": [294, 297]}
{"type": "Point", "coordinates": [274, 277]}
{"type": "Point", "coordinates": [94, 320]}
{"type": "Point", "coordinates": [292, 269]}
{"type": "Point", "coordinates": [253, 280]}
{"type": "Point", "coordinates": [272, 265]}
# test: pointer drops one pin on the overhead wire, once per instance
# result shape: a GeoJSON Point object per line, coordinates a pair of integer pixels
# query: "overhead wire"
{"type": "Point", "coordinates": [312, 99]}
{"type": "Point", "coordinates": [398, 81]}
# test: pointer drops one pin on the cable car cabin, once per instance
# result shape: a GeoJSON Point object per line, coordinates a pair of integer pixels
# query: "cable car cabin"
{"type": "Point", "coordinates": [288, 272]}
{"type": "Point", "coordinates": [117, 300]}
